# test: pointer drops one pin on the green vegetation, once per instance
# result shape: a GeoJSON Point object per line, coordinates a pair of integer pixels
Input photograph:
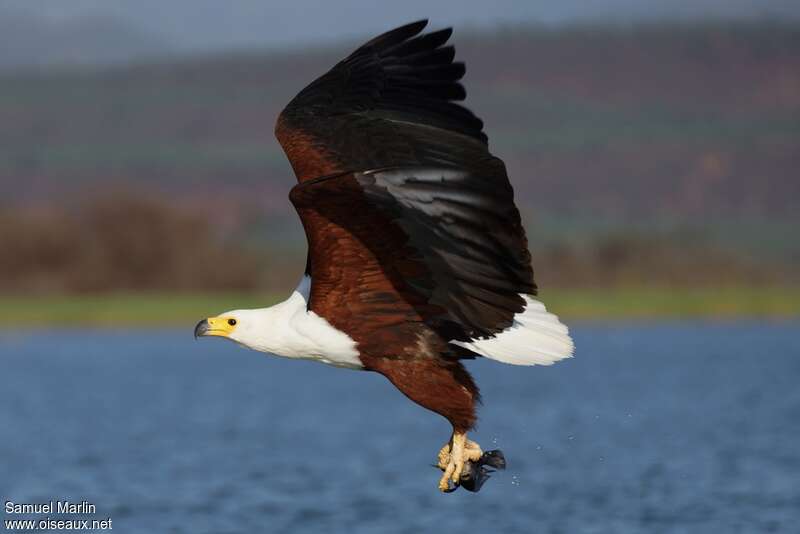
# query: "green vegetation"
{"type": "Point", "coordinates": [130, 310]}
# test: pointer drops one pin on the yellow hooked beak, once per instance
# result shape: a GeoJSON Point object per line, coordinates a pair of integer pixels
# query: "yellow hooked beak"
{"type": "Point", "coordinates": [215, 326]}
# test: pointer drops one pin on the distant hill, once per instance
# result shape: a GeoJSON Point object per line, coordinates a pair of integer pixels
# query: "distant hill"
{"type": "Point", "coordinates": [207, 26]}
{"type": "Point", "coordinates": [688, 134]}
{"type": "Point", "coordinates": [657, 121]}
{"type": "Point", "coordinates": [31, 41]}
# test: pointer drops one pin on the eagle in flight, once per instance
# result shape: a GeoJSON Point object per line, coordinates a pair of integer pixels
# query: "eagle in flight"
{"type": "Point", "coordinates": [417, 258]}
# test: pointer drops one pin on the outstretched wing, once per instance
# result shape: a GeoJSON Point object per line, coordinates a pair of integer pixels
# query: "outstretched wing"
{"type": "Point", "coordinates": [409, 218]}
{"type": "Point", "coordinates": [446, 242]}
{"type": "Point", "coordinates": [366, 111]}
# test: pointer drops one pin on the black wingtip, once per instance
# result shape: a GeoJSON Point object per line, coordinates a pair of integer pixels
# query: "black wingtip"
{"type": "Point", "coordinates": [418, 24]}
{"type": "Point", "coordinates": [396, 35]}
{"type": "Point", "coordinates": [410, 29]}
{"type": "Point", "coordinates": [441, 35]}
{"type": "Point", "coordinates": [402, 75]}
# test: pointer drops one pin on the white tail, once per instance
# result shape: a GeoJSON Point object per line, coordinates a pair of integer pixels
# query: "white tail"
{"type": "Point", "coordinates": [536, 337]}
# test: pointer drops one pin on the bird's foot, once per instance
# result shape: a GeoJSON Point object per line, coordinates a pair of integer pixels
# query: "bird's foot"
{"type": "Point", "coordinates": [453, 457]}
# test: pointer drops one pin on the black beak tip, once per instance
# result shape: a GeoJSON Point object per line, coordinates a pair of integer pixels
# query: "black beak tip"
{"type": "Point", "coordinates": [201, 328]}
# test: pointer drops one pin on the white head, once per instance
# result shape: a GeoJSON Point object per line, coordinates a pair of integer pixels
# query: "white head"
{"type": "Point", "coordinates": [286, 329]}
{"type": "Point", "coordinates": [246, 327]}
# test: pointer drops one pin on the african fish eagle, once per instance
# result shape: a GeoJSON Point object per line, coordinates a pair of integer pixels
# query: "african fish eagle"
{"type": "Point", "coordinates": [417, 258]}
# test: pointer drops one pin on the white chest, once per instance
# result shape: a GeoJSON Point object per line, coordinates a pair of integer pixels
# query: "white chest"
{"type": "Point", "coordinates": [288, 329]}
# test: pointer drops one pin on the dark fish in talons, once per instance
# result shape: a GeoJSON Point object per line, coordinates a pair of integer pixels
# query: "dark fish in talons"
{"type": "Point", "coordinates": [477, 473]}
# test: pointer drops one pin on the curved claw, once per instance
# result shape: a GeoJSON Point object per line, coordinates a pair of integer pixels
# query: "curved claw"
{"type": "Point", "coordinates": [475, 473]}
{"type": "Point", "coordinates": [453, 458]}
{"type": "Point", "coordinates": [451, 489]}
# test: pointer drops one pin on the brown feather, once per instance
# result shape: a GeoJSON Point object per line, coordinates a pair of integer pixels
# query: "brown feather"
{"type": "Point", "coordinates": [401, 258]}
{"type": "Point", "coordinates": [358, 294]}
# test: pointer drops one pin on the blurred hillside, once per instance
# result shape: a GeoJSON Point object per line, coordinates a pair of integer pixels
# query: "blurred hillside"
{"type": "Point", "coordinates": [653, 154]}
{"type": "Point", "coordinates": [34, 41]}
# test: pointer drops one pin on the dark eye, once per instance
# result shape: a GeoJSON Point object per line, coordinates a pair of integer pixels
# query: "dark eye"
{"type": "Point", "coordinates": [232, 322]}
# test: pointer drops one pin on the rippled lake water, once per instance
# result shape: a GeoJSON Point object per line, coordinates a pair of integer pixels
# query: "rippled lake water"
{"type": "Point", "coordinates": [677, 427]}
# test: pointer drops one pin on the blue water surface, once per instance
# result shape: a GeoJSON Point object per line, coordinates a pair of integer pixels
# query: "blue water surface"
{"type": "Point", "coordinates": [674, 427]}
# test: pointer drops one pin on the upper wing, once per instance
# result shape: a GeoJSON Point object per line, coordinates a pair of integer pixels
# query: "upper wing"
{"type": "Point", "coordinates": [443, 246]}
{"type": "Point", "coordinates": [366, 111]}
{"type": "Point", "coordinates": [409, 218]}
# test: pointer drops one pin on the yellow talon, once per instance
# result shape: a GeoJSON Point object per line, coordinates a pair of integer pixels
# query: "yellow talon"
{"type": "Point", "coordinates": [453, 456]}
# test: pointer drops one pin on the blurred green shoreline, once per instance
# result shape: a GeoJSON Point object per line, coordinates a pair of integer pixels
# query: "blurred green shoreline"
{"type": "Point", "coordinates": [164, 309]}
